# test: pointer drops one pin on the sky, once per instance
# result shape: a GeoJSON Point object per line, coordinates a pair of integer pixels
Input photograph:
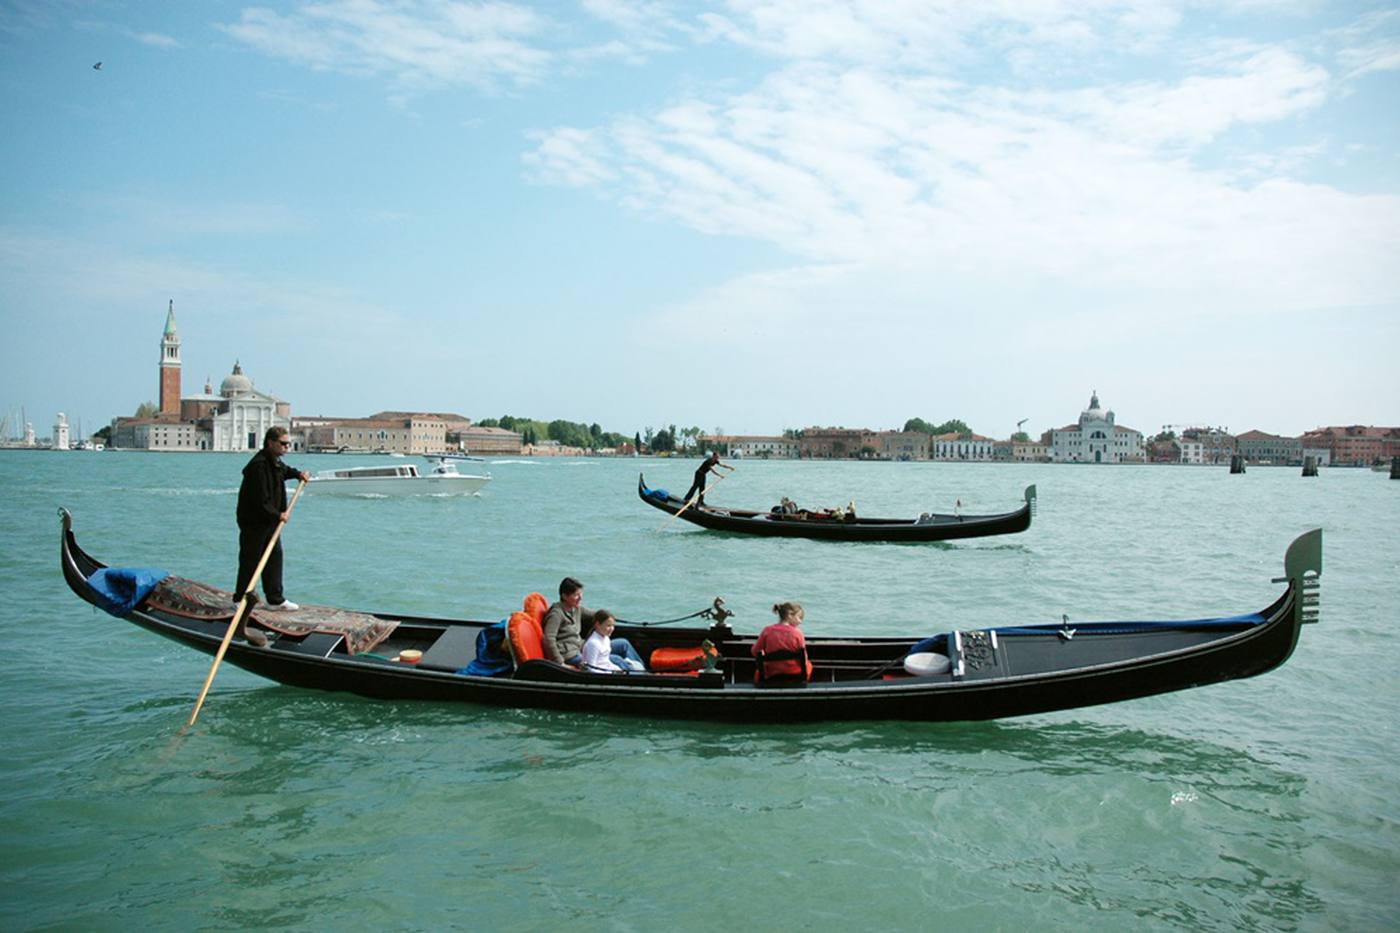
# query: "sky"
{"type": "Point", "coordinates": [744, 216]}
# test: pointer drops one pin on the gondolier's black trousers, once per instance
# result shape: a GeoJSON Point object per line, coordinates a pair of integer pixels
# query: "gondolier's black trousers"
{"type": "Point", "coordinates": [251, 544]}
{"type": "Point", "coordinates": [697, 486]}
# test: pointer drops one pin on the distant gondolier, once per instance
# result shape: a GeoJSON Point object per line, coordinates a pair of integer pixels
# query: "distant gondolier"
{"type": "Point", "coordinates": [698, 486]}
{"type": "Point", "coordinates": [262, 506]}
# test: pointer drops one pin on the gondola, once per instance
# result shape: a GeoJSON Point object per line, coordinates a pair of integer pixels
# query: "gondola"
{"type": "Point", "coordinates": [954, 675]}
{"type": "Point", "coordinates": [823, 527]}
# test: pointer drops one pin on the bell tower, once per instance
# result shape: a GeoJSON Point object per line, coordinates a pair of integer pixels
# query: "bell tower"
{"type": "Point", "coordinates": [170, 367]}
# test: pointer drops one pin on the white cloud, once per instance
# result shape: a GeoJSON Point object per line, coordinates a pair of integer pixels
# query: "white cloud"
{"type": "Point", "coordinates": [419, 43]}
{"type": "Point", "coordinates": [156, 39]}
{"type": "Point", "coordinates": [930, 215]}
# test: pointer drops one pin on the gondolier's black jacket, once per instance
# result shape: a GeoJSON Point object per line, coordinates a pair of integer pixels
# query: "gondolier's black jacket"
{"type": "Point", "coordinates": [263, 496]}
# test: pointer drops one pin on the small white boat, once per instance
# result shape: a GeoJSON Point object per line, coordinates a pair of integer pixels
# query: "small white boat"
{"type": "Point", "coordinates": [401, 480]}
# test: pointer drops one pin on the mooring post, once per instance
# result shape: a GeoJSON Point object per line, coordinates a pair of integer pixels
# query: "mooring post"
{"type": "Point", "coordinates": [1310, 466]}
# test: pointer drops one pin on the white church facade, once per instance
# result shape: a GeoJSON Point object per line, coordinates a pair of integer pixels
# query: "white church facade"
{"type": "Point", "coordinates": [1096, 438]}
{"type": "Point", "coordinates": [236, 418]}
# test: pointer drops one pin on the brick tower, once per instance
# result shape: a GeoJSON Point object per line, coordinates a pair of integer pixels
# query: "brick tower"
{"type": "Point", "coordinates": [170, 367]}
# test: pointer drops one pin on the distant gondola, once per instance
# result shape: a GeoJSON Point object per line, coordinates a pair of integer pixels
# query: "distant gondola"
{"type": "Point", "coordinates": [947, 676]}
{"type": "Point", "coordinates": [928, 527]}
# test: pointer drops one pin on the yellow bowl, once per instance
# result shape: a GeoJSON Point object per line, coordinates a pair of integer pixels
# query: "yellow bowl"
{"type": "Point", "coordinates": [411, 656]}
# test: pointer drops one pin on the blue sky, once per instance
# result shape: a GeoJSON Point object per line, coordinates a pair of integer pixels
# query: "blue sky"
{"type": "Point", "coordinates": [750, 215]}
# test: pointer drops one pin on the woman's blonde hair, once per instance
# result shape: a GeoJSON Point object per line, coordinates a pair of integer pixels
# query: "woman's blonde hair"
{"type": "Point", "coordinates": [786, 611]}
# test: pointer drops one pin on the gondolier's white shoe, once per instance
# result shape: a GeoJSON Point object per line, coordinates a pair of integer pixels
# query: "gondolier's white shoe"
{"type": "Point", "coordinates": [285, 605]}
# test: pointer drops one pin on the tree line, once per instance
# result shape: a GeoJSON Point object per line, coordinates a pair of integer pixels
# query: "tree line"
{"type": "Point", "coordinates": [567, 433]}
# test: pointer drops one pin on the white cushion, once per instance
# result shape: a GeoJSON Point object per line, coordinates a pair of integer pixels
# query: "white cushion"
{"type": "Point", "coordinates": [927, 662]}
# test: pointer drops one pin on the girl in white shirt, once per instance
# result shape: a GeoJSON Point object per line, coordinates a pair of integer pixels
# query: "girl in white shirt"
{"type": "Point", "coordinates": [597, 654]}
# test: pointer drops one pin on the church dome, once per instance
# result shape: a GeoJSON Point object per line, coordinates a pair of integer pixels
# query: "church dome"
{"type": "Point", "coordinates": [1093, 412]}
{"type": "Point", "coordinates": [235, 384]}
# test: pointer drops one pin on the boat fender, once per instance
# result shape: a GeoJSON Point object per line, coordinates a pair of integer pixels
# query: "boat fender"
{"type": "Point", "coordinates": [926, 663]}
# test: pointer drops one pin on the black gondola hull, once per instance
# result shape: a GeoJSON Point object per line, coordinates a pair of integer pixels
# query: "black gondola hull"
{"type": "Point", "coordinates": [889, 530]}
{"type": "Point", "coordinates": [1169, 659]}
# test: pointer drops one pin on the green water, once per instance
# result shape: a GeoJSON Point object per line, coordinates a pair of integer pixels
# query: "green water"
{"type": "Point", "coordinates": [1264, 804]}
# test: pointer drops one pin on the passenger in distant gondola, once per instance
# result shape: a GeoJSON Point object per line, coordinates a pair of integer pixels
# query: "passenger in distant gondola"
{"type": "Point", "coordinates": [564, 625]}
{"type": "Point", "coordinates": [262, 507]}
{"type": "Point", "coordinates": [698, 486]}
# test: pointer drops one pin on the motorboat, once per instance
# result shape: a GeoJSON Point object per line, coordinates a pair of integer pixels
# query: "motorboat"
{"type": "Point", "coordinates": [405, 479]}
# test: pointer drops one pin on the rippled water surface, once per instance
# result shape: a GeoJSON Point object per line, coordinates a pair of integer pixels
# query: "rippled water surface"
{"type": "Point", "coordinates": [1265, 804]}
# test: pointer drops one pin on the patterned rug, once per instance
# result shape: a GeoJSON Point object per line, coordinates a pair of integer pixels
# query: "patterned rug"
{"type": "Point", "coordinates": [194, 600]}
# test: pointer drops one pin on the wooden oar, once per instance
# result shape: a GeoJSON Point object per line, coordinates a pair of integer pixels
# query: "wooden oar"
{"type": "Point", "coordinates": [719, 478]}
{"type": "Point", "coordinates": [243, 606]}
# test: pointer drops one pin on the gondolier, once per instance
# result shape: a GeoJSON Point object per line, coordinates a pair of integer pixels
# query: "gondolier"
{"type": "Point", "coordinates": [698, 486]}
{"type": "Point", "coordinates": [262, 506]}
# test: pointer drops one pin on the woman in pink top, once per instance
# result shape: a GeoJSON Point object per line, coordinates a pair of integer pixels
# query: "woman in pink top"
{"type": "Point", "coordinates": [785, 636]}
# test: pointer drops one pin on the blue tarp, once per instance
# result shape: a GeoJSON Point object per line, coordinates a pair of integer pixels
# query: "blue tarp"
{"type": "Point", "coordinates": [119, 589]}
{"type": "Point", "coordinates": [492, 659]}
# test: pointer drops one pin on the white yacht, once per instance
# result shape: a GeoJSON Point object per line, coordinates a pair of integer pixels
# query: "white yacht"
{"type": "Point", "coordinates": [399, 480]}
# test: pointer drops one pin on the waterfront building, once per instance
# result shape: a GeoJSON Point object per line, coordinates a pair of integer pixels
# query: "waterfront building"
{"type": "Point", "coordinates": [60, 432]}
{"type": "Point", "coordinates": [1029, 452]}
{"type": "Point", "coordinates": [1322, 456]}
{"type": "Point", "coordinates": [234, 419]}
{"type": "Point", "coordinates": [955, 446]}
{"type": "Point", "coordinates": [169, 367]}
{"type": "Point", "coordinates": [1262, 447]}
{"type": "Point", "coordinates": [1164, 450]}
{"type": "Point", "coordinates": [903, 445]}
{"type": "Point", "coordinates": [1216, 444]}
{"type": "Point", "coordinates": [833, 443]}
{"type": "Point", "coordinates": [1096, 438]}
{"type": "Point", "coordinates": [1355, 445]}
{"type": "Point", "coordinates": [410, 435]}
{"type": "Point", "coordinates": [482, 442]}
{"type": "Point", "coordinates": [760, 446]}
{"type": "Point", "coordinates": [245, 414]}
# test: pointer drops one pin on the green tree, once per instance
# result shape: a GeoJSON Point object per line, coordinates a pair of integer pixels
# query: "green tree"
{"type": "Point", "coordinates": [147, 410]}
{"type": "Point", "coordinates": [637, 442]}
{"type": "Point", "coordinates": [953, 426]}
{"type": "Point", "coordinates": [918, 424]}
{"type": "Point", "coordinates": [1021, 437]}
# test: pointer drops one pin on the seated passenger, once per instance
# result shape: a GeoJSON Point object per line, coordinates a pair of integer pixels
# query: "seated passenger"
{"type": "Point", "coordinates": [599, 651]}
{"type": "Point", "coordinates": [563, 627]}
{"type": "Point", "coordinates": [783, 636]}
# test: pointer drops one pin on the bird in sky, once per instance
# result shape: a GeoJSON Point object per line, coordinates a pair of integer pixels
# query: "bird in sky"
{"type": "Point", "coordinates": [97, 67]}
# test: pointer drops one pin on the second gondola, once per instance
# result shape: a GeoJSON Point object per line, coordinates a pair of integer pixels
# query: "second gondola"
{"type": "Point", "coordinates": [839, 527]}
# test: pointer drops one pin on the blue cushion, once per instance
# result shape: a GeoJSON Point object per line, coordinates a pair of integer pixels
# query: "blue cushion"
{"type": "Point", "coordinates": [120, 589]}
